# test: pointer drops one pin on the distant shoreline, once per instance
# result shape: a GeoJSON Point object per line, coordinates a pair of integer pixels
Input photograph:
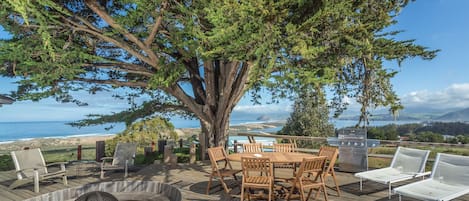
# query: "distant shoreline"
{"type": "Point", "coordinates": [90, 139]}
{"type": "Point", "coordinates": [53, 142]}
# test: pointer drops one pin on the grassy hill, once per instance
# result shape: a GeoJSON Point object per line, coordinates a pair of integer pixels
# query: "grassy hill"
{"type": "Point", "coordinates": [460, 115]}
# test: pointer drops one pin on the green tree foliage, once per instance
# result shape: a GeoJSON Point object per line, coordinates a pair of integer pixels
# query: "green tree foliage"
{"type": "Point", "coordinates": [6, 163]}
{"type": "Point", "coordinates": [407, 129]}
{"type": "Point", "coordinates": [198, 58]}
{"type": "Point", "coordinates": [310, 117]}
{"type": "Point", "coordinates": [143, 133]}
{"type": "Point", "coordinates": [388, 132]}
{"type": "Point", "coordinates": [428, 132]}
{"type": "Point", "coordinates": [446, 128]}
{"type": "Point", "coordinates": [428, 136]}
{"type": "Point", "coordinates": [463, 139]}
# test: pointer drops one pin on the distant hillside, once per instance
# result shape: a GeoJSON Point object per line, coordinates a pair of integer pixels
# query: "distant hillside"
{"type": "Point", "coordinates": [383, 117]}
{"type": "Point", "coordinates": [460, 115]}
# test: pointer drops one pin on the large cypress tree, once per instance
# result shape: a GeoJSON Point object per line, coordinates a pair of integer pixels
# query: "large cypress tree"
{"type": "Point", "coordinates": [200, 57]}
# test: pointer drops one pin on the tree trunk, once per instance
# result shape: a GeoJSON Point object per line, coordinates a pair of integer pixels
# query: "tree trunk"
{"type": "Point", "coordinates": [214, 134]}
{"type": "Point", "coordinates": [215, 94]}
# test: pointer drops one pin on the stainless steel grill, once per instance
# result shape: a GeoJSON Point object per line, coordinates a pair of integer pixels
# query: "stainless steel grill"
{"type": "Point", "coordinates": [353, 149]}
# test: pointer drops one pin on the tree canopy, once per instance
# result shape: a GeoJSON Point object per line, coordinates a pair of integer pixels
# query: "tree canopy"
{"type": "Point", "coordinates": [310, 117]}
{"type": "Point", "coordinates": [200, 57]}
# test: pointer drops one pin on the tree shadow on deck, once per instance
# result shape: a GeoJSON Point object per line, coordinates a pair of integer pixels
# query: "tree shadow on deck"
{"type": "Point", "coordinates": [369, 187]}
{"type": "Point", "coordinates": [216, 187]}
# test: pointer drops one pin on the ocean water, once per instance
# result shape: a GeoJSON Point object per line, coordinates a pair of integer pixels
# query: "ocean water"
{"type": "Point", "coordinates": [14, 131]}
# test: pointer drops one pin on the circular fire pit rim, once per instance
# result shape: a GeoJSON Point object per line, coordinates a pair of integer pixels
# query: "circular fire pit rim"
{"type": "Point", "coordinates": [171, 192]}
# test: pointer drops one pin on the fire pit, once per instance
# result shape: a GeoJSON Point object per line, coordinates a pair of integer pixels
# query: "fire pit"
{"type": "Point", "coordinates": [122, 190]}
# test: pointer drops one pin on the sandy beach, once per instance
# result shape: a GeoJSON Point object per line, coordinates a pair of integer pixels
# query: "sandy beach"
{"type": "Point", "coordinates": [91, 140]}
{"type": "Point", "coordinates": [53, 142]}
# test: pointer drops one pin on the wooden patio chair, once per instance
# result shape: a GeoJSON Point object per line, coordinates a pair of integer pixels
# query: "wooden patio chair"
{"type": "Point", "coordinates": [253, 147]}
{"type": "Point", "coordinates": [331, 153]}
{"type": "Point", "coordinates": [286, 147]}
{"type": "Point", "coordinates": [218, 155]}
{"type": "Point", "coordinates": [124, 156]}
{"type": "Point", "coordinates": [30, 167]}
{"type": "Point", "coordinates": [310, 175]}
{"type": "Point", "coordinates": [257, 174]}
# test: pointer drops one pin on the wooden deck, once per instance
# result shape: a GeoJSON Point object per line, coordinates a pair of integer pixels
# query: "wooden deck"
{"type": "Point", "coordinates": [191, 179]}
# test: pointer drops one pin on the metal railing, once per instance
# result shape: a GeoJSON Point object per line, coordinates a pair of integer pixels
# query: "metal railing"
{"type": "Point", "coordinates": [251, 136]}
{"type": "Point", "coordinates": [390, 143]}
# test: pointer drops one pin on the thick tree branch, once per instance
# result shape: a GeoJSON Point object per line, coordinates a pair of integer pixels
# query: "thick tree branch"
{"type": "Point", "coordinates": [131, 115]}
{"type": "Point", "coordinates": [157, 25]}
{"type": "Point", "coordinates": [196, 82]}
{"type": "Point", "coordinates": [87, 23]}
{"type": "Point", "coordinates": [209, 72]}
{"type": "Point", "coordinates": [178, 93]}
{"type": "Point", "coordinates": [108, 39]}
{"type": "Point", "coordinates": [124, 67]}
{"type": "Point", "coordinates": [93, 5]}
{"type": "Point", "coordinates": [114, 82]}
{"type": "Point", "coordinates": [227, 76]}
{"type": "Point", "coordinates": [240, 83]}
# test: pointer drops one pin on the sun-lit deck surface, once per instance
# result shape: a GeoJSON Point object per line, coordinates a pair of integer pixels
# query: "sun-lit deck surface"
{"type": "Point", "coordinates": [192, 180]}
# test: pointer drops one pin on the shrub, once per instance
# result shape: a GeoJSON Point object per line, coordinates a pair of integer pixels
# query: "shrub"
{"type": "Point", "coordinates": [143, 133]}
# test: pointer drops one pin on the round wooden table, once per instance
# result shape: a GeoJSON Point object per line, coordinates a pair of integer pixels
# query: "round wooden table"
{"type": "Point", "coordinates": [275, 157]}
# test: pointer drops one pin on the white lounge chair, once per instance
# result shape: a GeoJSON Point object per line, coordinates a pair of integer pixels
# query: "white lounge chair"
{"type": "Point", "coordinates": [124, 156]}
{"type": "Point", "coordinates": [31, 167]}
{"type": "Point", "coordinates": [406, 164]}
{"type": "Point", "coordinates": [449, 180]}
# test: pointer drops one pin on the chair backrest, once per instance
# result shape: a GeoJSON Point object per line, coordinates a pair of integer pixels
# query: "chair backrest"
{"type": "Point", "coordinates": [310, 166]}
{"type": "Point", "coordinates": [451, 169]}
{"type": "Point", "coordinates": [287, 147]}
{"type": "Point", "coordinates": [331, 153]}
{"type": "Point", "coordinates": [252, 147]}
{"type": "Point", "coordinates": [123, 152]}
{"type": "Point", "coordinates": [256, 166]}
{"type": "Point", "coordinates": [216, 155]}
{"type": "Point", "coordinates": [410, 160]}
{"type": "Point", "coordinates": [26, 161]}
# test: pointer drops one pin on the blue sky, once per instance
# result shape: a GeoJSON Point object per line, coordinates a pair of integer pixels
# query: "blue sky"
{"type": "Point", "coordinates": [442, 83]}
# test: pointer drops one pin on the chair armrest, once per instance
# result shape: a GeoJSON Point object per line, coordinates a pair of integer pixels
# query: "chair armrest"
{"type": "Point", "coordinates": [56, 163]}
{"type": "Point", "coordinates": [107, 158]}
{"type": "Point", "coordinates": [25, 169]}
{"type": "Point", "coordinates": [423, 174]}
{"type": "Point", "coordinates": [104, 159]}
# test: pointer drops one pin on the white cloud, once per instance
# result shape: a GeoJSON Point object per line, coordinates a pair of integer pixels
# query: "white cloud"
{"type": "Point", "coordinates": [454, 96]}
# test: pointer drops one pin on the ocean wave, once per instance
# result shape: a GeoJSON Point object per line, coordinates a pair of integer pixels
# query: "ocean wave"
{"type": "Point", "coordinates": [15, 140]}
{"type": "Point", "coordinates": [6, 142]}
{"type": "Point", "coordinates": [80, 135]}
{"type": "Point", "coordinates": [56, 137]}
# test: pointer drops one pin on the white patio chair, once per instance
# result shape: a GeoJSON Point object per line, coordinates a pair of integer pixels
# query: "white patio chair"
{"type": "Point", "coordinates": [123, 158]}
{"type": "Point", "coordinates": [30, 167]}
{"type": "Point", "coordinates": [449, 180]}
{"type": "Point", "coordinates": [406, 164]}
